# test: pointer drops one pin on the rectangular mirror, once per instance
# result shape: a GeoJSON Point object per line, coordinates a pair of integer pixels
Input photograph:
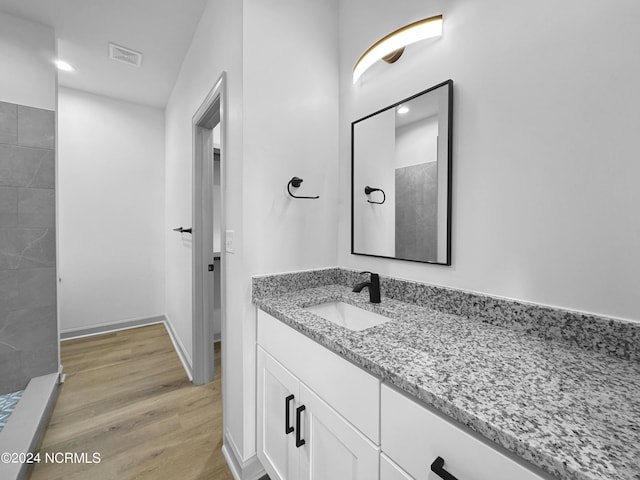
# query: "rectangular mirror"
{"type": "Point", "coordinates": [401, 179]}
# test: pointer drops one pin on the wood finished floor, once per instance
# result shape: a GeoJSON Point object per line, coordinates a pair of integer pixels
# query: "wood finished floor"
{"type": "Point", "coordinates": [127, 397]}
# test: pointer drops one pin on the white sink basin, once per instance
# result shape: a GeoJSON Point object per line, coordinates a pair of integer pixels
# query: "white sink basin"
{"type": "Point", "coordinates": [347, 316]}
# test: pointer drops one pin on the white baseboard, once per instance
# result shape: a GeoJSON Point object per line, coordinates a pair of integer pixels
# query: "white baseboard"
{"type": "Point", "coordinates": [135, 323]}
{"type": "Point", "coordinates": [231, 462]}
{"type": "Point", "coordinates": [99, 329]}
{"type": "Point", "coordinates": [184, 357]}
{"type": "Point", "coordinates": [234, 451]}
{"type": "Point", "coordinates": [250, 469]}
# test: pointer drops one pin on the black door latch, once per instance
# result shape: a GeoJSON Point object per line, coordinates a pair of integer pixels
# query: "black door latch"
{"type": "Point", "coordinates": [210, 268]}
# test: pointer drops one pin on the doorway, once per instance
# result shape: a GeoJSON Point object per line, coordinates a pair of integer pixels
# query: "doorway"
{"type": "Point", "coordinates": [209, 312]}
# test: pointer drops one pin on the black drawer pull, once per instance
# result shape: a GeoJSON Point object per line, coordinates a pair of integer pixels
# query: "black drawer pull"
{"type": "Point", "coordinates": [299, 441]}
{"type": "Point", "coordinates": [437, 467]}
{"type": "Point", "coordinates": [287, 413]}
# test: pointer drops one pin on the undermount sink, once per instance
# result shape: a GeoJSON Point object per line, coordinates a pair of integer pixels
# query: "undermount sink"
{"type": "Point", "coordinates": [347, 315]}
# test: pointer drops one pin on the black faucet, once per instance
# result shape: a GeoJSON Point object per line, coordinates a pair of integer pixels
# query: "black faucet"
{"type": "Point", "coordinates": [373, 285]}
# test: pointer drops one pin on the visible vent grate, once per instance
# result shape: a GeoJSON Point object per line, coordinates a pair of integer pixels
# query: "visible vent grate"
{"type": "Point", "coordinates": [125, 55]}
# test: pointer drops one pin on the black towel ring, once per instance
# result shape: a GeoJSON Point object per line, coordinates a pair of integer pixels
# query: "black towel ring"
{"type": "Point", "coordinates": [369, 190]}
{"type": "Point", "coordinates": [295, 182]}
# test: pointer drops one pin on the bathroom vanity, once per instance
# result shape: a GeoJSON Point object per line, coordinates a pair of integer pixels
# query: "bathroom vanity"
{"type": "Point", "coordinates": [321, 417]}
{"type": "Point", "coordinates": [470, 397]}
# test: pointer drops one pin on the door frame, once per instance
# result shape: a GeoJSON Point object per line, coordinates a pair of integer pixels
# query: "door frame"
{"type": "Point", "coordinates": [212, 110]}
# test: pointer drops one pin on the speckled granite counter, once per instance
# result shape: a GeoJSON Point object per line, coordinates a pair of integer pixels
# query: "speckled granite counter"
{"type": "Point", "coordinates": [572, 411]}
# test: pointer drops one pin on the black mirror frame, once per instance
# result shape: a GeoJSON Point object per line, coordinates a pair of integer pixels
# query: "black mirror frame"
{"type": "Point", "coordinates": [448, 83]}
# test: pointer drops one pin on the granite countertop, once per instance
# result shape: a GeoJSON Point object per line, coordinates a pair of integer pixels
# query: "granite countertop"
{"type": "Point", "coordinates": [573, 412]}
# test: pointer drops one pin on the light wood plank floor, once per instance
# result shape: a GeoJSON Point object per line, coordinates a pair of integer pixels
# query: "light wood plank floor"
{"type": "Point", "coordinates": [127, 397]}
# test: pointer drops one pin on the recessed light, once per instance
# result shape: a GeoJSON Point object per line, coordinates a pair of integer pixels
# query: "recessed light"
{"type": "Point", "coordinates": [64, 66]}
{"type": "Point", "coordinates": [403, 109]}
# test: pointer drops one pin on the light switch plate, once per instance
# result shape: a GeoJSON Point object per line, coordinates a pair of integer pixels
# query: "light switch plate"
{"type": "Point", "coordinates": [228, 241]}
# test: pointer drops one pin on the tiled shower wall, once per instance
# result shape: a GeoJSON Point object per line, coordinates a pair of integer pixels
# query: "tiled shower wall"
{"type": "Point", "coordinates": [28, 319]}
{"type": "Point", "coordinates": [417, 212]}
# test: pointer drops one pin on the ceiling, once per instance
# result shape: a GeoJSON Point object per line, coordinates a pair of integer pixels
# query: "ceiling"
{"type": "Point", "coordinates": [420, 107]}
{"type": "Point", "coordinates": [160, 29]}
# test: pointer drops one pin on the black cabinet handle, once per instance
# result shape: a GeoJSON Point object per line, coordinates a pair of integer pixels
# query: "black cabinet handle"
{"type": "Point", "coordinates": [437, 467]}
{"type": "Point", "coordinates": [299, 441]}
{"type": "Point", "coordinates": [287, 413]}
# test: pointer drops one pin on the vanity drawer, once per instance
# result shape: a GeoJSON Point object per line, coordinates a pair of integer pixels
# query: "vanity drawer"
{"type": "Point", "coordinates": [413, 437]}
{"type": "Point", "coordinates": [351, 391]}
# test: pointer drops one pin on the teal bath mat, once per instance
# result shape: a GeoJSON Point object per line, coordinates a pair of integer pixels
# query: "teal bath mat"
{"type": "Point", "coordinates": [8, 402]}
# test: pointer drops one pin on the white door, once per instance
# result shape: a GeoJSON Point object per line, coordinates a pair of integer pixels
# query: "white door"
{"type": "Point", "coordinates": [277, 397]}
{"type": "Point", "coordinates": [333, 449]}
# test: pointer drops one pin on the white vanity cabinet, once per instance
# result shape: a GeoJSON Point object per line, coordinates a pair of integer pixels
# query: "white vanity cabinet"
{"type": "Point", "coordinates": [334, 449]}
{"type": "Point", "coordinates": [413, 437]}
{"type": "Point", "coordinates": [301, 437]}
{"type": "Point", "coordinates": [278, 391]}
{"type": "Point", "coordinates": [390, 471]}
{"type": "Point", "coordinates": [303, 431]}
{"type": "Point", "coordinates": [322, 418]}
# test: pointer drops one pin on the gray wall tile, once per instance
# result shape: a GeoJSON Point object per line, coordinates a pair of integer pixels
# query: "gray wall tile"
{"type": "Point", "coordinates": [27, 248]}
{"type": "Point", "coordinates": [44, 176]}
{"type": "Point", "coordinates": [35, 127]}
{"type": "Point", "coordinates": [26, 167]}
{"type": "Point", "coordinates": [417, 212]}
{"type": "Point", "coordinates": [8, 206]}
{"type": "Point", "coordinates": [29, 346]}
{"type": "Point", "coordinates": [33, 287]}
{"type": "Point", "coordinates": [4, 348]}
{"type": "Point", "coordinates": [28, 323]}
{"type": "Point", "coordinates": [8, 123]}
{"type": "Point", "coordinates": [30, 329]}
{"type": "Point", "coordinates": [36, 207]}
{"type": "Point", "coordinates": [42, 358]}
{"type": "Point", "coordinates": [11, 376]}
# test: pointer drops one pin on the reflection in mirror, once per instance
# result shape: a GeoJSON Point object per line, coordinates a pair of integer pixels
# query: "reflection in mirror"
{"type": "Point", "coordinates": [403, 154]}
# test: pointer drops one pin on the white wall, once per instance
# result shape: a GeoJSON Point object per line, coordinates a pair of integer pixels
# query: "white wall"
{"type": "Point", "coordinates": [111, 210]}
{"type": "Point", "coordinates": [27, 50]}
{"type": "Point", "coordinates": [374, 147]}
{"type": "Point", "coordinates": [216, 47]}
{"type": "Point", "coordinates": [290, 129]}
{"type": "Point", "coordinates": [416, 143]}
{"type": "Point", "coordinates": [545, 171]}
{"type": "Point", "coordinates": [280, 124]}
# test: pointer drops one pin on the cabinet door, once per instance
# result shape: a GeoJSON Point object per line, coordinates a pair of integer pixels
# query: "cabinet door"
{"type": "Point", "coordinates": [333, 449]}
{"type": "Point", "coordinates": [350, 391]}
{"type": "Point", "coordinates": [391, 471]}
{"type": "Point", "coordinates": [277, 396]}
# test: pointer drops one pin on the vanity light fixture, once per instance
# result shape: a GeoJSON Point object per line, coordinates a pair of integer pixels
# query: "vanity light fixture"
{"type": "Point", "coordinates": [64, 66]}
{"type": "Point", "coordinates": [391, 47]}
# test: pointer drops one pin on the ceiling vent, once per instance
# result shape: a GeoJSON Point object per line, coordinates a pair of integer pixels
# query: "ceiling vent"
{"type": "Point", "coordinates": [125, 55]}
